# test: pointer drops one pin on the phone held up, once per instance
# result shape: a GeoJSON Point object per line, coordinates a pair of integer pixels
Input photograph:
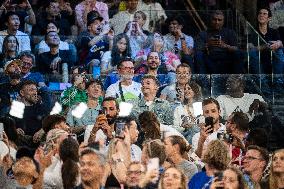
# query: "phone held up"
{"type": "Point", "coordinates": [209, 122]}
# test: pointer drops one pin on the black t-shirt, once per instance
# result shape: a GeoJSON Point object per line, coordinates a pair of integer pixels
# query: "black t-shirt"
{"type": "Point", "coordinates": [44, 60]}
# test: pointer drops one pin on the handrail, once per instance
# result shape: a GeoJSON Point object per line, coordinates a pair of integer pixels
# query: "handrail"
{"type": "Point", "coordinates": [191, 6]}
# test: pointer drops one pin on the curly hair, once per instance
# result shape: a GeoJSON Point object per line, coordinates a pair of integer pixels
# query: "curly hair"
{"type": "Point", "coordinates": [273, 177]}
{"type": "Point", "coordinates": [150, 125]}
{"type": "Point", "coordinates": [217, 155]}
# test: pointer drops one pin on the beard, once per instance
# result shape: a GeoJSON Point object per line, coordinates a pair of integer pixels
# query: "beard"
{"type": "Point", "coordinates": [127, 76]}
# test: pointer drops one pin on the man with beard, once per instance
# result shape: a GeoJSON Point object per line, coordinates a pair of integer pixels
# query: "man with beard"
{"type": "Point", "coordinates": [104, 125]}
{"type": "Point", "coordinates": [236, 99]}
{"type": "Point", "coordinates": [208, 133]}
{"type": "Point", "coordinates": [149, 102]}
{"type": "Point", "coordinates": [12, 22]}
{"type": "Point", "coordinates": [36, 108]}
{"type": "Point", "coordinates": [216, 49]}
{"type": "Point", "coordinates": [125, 89]}
{"type": "Point", "coordinates": [51, 62]}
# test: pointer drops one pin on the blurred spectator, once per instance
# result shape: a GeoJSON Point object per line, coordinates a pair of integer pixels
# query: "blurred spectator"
{"type": "Point", "coordinates": [154, 66]}
{"type": "Point", "coordinates": [276, 171]}
{"type": "Point", "coordinates": [169, 61]}
{"type": "Point", "coordinates": [36, 107]}
{"type": "Point", "coordinates": [118, 159]}
{"type": "Point", "coordinates": [86, 6]}
{"type": "Point", "coordinates": [178, 42]}
{"type": "Point", "coordinates": [140, 17]}
{"type": "Point", "coordinates": [237, 126]}
{"type": "Point", "coordinates": [273, 43]}
{"type": "Point", "coordinates": [149, 101]}
{"type": "Point", "coordinates": [184, 115]}
{"type": "Point", "coordinates": [11, 68]}
{"type": "Point", "coordinates": [209, 130]}
{"type": "Point", "coordinates": [43, 47]}
{"type": "Point", "coordinates": [177, 154]}
{"type": "Point", "coordinates": [91, 168]}
{"type": "Point", "coordinates": [236, 99]}
{"type": "Point", "coordinates": [217, 47]}
{"type": "Point", "coordinates": [125, 89]}
{"type": "Point", "coordinates": [255, 162]}
{"type": "Point", "coordinates": [94, 89]}
{"type": "Point", "coordinates": [9, 50]}
{"type": "Point", "coordinates": [51, 62]}
{"type": "Point", "coordinates": [104, 122]}
{"type": "Point", "coordinates": [155, 13]}
{"type": "Point", "coordinates": [9, 92]}
{"type": "Point", "coordinates": [120, 50]}
{"type": "Point", "coordinates": [52, 176]}
{"type": "Point", "coordinates": [175, 91]}
{"type": "Point", "coordinates": [173, 178]}
{"type": "Point", "coordinates": [137, 37]}
{"type": "Point", "coordinates": [216, 158]}
{"type": "Point", "coordinates": [257, 137]}
{"type": "Point", "coordinates": [119, 20]}
{"type": "Point", "coordinates": [24, 11]}
{"type": "Point", "coordinates": [153, 129]}
{"type": "Point", "coordinates": [51, 13]}
{"type": "Point", "coordinates": [135, 150]}
{"type": "Point", "coordinates": [94, 41]}
{"type": "Point", "coordinates": [76, 93]}
{"type": "Point", "coordinates": [28, 62]}
{"type": "Point", "coordinates": [135, 172]}
{"type": "Point", "coordinates": [13, 22]}
{"type": "Point", "coordinates": [232, 178]}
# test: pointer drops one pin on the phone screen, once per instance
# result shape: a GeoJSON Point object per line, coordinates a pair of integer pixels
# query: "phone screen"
{"type": "Point", "coordinates": [209, 121]}
{"type": "Point", "coordinates": [119, 129]}
{"type": "Point", "coordinates": [153, 164]}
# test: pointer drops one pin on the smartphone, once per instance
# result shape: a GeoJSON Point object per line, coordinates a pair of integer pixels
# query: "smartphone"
{"type": "Point", "coordinates": [219, 175]}
{"type": "Point", "coordinates": [134, 28]}
{"type": "Point", "coordinates": [153, 164]}
{"type": "Point", "coordinates": [209, 121]}
{"type": "Point", "coordinates": [125, 109]}
{"type": "Point", "coordinates": [217, 37]}
{"type": "Point", "coordinates": [1, 131]}
{"type": "Point", "coordinates": [119, 129]}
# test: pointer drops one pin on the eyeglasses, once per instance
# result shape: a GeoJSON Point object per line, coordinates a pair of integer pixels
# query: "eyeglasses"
{"type": "Point", "coordinates": [250, 158]}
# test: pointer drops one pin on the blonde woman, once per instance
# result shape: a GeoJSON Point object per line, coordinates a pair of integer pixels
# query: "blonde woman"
{"type": "Point", "coordinates": [173, 178]}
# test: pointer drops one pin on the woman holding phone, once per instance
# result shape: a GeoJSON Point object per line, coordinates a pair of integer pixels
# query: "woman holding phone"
{"type": "Point", "coordinates": [231, 178]}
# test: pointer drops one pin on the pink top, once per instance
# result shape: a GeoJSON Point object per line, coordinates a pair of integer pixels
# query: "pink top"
{"type": "Point", "coordinates": [80, 9]}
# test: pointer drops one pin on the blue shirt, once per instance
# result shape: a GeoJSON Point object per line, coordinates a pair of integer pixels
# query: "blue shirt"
{"type": "Point", "coordinates": [199, 180]}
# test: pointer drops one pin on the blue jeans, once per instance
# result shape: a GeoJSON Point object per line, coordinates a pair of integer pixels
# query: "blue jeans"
{"type": "Point", "coordinates": [264, 65]}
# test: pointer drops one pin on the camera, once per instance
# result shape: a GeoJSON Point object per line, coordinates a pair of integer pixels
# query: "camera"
{"type": "Point", "coordinates": [209, 121]}
{"type": "Point", "coordinates": [225, 137]}
{"type": "Point", "coordinates": [219, 176]}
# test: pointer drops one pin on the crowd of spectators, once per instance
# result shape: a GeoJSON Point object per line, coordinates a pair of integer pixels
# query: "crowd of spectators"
{"type": "Point", "coordinates": [131, 113]}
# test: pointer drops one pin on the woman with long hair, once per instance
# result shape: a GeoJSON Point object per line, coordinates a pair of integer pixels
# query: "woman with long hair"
{"type": "Point", "coordinates": [177, 155]}
{"type": "Point", "coordinates": [276, 175]}
{"type": "Point", "coordinates": [120, 50]}
{"type": "Point", "coordinates": [10, 49]}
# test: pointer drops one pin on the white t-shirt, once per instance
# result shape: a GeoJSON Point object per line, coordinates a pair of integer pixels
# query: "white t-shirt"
{"type": "Point", "coordinates": [4, 150]}
{"type": "Point", "coordinates": [229, 104]}
{"type": "Point", "coordinates": [23, 39]}
{"type": "Point", "coordinates": [129, 92]}
{"type": "Point", "coordinates": [211, 137]}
